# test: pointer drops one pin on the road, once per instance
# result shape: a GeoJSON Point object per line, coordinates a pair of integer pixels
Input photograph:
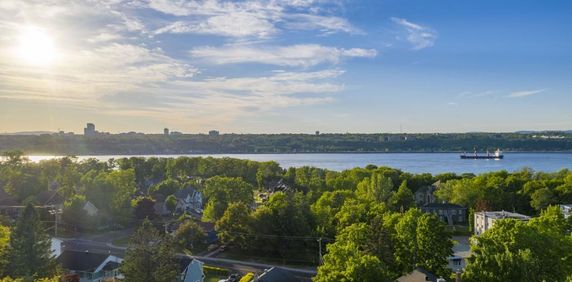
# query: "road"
{"type": "Point", "coordinates": [234, 265]}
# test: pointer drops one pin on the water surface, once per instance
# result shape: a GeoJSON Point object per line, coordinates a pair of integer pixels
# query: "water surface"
{"type": "Point", "coordinates": [411, 162]}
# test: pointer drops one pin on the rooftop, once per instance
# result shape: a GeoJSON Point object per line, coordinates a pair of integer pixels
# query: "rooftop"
{"type": "Point", "coordinates": [504, 214]}
{"type": "Point", "coordinates": [442, 206]}
{"type": "Point", "coordinates": [81, 261]}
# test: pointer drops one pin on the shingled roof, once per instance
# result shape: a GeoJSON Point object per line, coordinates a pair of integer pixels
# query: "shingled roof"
{"type": "Point", "coordinates": [81, 261]}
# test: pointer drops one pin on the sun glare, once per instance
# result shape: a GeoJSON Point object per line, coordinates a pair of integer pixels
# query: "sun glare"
{"type": "Point", "coordinates": [36, 47]}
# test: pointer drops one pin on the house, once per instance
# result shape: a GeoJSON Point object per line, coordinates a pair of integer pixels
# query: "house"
{"type": "Point", "coordinates": [279, 186]}
{"type": "Point", "coordinates": [8, 205]}
{"type": "Point", "coordinates": [485, 220]}
{"type": "Point", "coordinates": [193, 272]}
{"type": "Point", "coordinates": [566, 210]}
{"type": "Point", "coordinates": [449, 213]}
{"type": "Point", "coordinates": [90, 209]}
{"type": "Point", "coordinates": [426, 195]}
{"type": "Point", "coordinates": [277, 274]}
{"type": "Point", "coordinates": [461, 252]}
{"type": "Point", "coordinates": [419, 275]}
{"type": "Point", "coordinates": [50, 198]}
{"type": "Point", "coordinates": [89, 267]}
{"type": "Point", "coordinates": [189, 199]}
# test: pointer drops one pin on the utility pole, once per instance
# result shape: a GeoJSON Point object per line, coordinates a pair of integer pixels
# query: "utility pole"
{"type": "Point", "coordinates": [320, 249]}
{"type": "Point", "coordinates": [56, 212]}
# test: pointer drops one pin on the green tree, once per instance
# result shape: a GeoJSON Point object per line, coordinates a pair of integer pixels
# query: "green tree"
{"type": "Point", "coordinates": [234, 227]}
{"type": "Point", "coordinates": [420, 241]}
{"type": "Point", "coordinates": [29, 249]}
{"type": "Point", "coordinates": [189, 235]}
{"type": "Point", "coordinates": [149, 257]}
{"type": "Point", "coordinates": [171, 203]}
{"type": "Point", "coordinates": [345, 262]}
{"type": "Point", "coordinates": [4, 244]}
{"type": "Point", "coordinates": [219, 192]}
{"type": "Point", "coordinates": [143, 207]}
{"type": "Point", "coordinates": [402, 199]}
{"type": "Point", "coordinates": [513, 250]}
{"type": "Point", "coordinates": [377, 188]}
{"type": "Point", "coordinates": [542, 198]}
{"type": "Point", "coordinates": [166, 187]}
{"type": "Point", "coordinates": [73, 212]}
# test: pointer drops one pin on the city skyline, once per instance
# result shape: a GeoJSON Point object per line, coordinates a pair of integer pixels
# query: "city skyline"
{"type": "Point", "coordinates": [285, 66]}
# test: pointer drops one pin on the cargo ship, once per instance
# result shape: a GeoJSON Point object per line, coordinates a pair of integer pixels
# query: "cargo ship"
{"type": "Point", "coordinates": [496, 156]}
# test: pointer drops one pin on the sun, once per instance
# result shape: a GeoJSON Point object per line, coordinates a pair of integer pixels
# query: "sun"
{"type": "Point", "coordinates": [36, 47]}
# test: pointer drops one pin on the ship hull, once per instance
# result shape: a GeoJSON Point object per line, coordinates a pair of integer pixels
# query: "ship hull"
{"type": "Point", "coordinates": [482, 157]}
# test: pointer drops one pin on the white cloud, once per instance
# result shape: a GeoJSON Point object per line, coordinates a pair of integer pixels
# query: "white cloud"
{"type": "Point", "coordinates": [252, 18]}
{"type": "Point", "coordinates": [324, 24]}
{"type": "Point", "coordinates": [302, 55]}
{"type": "Point", "coordinates": [419, 36]}
{"type": "Point", "coordinates": [110, 65]}
{"type": "Point", "coordinates": [519, 94]}
{"type": "Point", "coordinates": [234, 25]}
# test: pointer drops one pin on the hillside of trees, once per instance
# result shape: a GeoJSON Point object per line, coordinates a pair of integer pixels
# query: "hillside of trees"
{"type": "Point", "coordinates": [100, 144]}
{"type": "Point", "coordinates": [366, 218]}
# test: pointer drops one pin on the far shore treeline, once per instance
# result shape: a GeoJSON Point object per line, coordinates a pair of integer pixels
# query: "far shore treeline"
{"type": "Point", "coordinates": [134, 143]}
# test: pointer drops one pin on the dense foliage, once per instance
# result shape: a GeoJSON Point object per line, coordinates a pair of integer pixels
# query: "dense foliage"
{"type": "Point", "coordinates": [65, 144]}
{"type": "Point", "coordinates": [538, 250]}
{"type": "Point", "coordinates": [150, 256]}
{"type": "Point", "coordinates": [365, 220]}
{"type": "Point", "coordinates": [28, 250]}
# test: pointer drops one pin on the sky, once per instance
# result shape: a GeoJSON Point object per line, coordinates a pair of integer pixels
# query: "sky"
{"type": "Point", "coordinates": [289, 66]}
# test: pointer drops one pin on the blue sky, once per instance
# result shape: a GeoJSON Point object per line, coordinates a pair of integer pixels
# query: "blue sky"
{"type": "Point", "coordinates": [285, 66]}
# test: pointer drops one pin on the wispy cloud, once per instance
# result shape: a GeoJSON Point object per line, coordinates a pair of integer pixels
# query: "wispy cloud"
{"type": "Point", "coordinates": [121, 63]}
{"type": "Point", "coordinates": [520, 94]}
{"type": "Point", "coordinates": [303, 55]}
{"type": "Point", "coordinates": [251, 18]}
{"type": "Point", "coordinates": [419, 36]}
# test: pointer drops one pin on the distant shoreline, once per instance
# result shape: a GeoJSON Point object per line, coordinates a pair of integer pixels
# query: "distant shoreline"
{"type": "Point", "coordinates": [287, 153]}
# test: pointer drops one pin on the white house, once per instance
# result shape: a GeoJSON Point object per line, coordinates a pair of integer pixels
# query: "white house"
{"type": "Point", "coordinates": [566, 210]}
{"type": "Point", "coordinates": [485, 220]}
{"type": "Point", "coordinates": [90, 209]}
{"type": "Point", "coordinates": [189, 199]}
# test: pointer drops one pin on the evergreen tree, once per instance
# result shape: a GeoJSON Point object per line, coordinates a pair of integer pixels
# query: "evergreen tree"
{"type": "Point", "coordinates": [150, 256]}
{"type": "Point", "coordinates": [29, 249]}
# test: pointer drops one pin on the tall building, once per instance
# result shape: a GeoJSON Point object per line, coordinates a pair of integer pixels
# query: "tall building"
{"type": "Point", "coordinates": [166, 131]}
{"type": "Point", "coordinates": [89, 130]}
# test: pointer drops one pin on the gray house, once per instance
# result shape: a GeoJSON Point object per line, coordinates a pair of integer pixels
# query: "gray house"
{"type": "Point", "coordinates": [449, 213]}
{"type": "Point", "coordinates": [426, 195]}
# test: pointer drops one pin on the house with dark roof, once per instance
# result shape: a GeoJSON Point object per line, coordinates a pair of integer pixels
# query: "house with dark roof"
{"type": "Point", "coordinates": [88, 266]}
{"type": "Point", "coordinates": [279, 186]}
{"type": "Point", "coordinates": [189, 199]}
{"type": "Point", "coordinates": [277, 274]}
{"type": "Point", "coordinates": [449, 213]}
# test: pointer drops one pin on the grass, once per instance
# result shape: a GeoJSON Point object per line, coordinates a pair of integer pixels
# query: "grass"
{"type": "Point", "coordinates": [214, 274]}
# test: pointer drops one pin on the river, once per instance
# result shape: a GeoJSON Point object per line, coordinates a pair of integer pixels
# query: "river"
{"type": "Point", "coordinates": [410, 162]}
